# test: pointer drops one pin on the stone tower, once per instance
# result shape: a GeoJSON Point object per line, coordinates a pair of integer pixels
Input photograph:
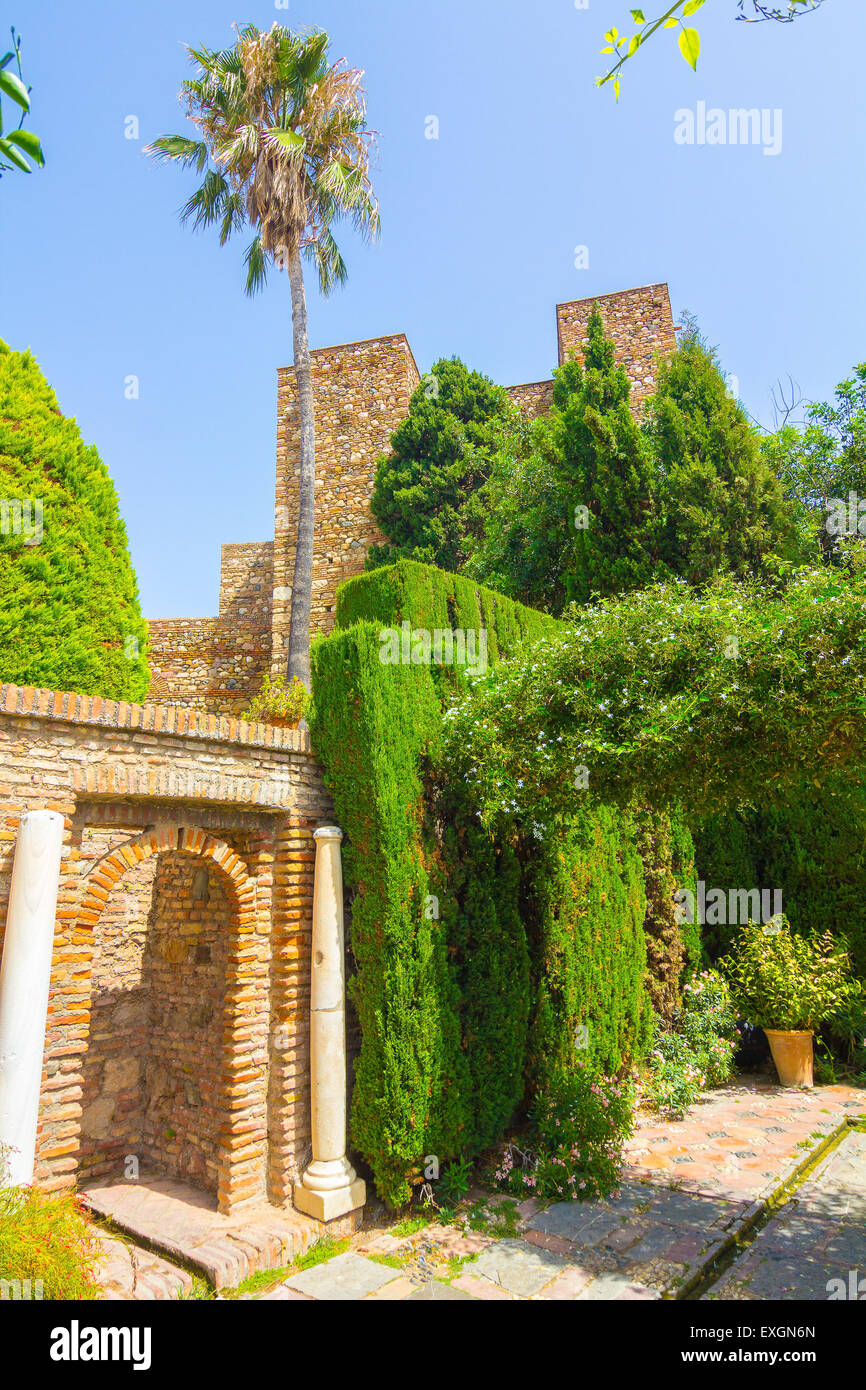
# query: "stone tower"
{"type": "Point", "coordinates": [361, 393]}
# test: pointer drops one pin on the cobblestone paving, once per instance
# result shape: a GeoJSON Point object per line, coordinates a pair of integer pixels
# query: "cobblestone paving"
{"type": "Point", "coordinates": [689, 1187]}
{"type": "Point", "coordinates": [815, 1247]}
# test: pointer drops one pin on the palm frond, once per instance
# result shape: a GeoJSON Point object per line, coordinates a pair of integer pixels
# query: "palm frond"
{"type": "Point", "coordinates": [181, 149]}
{"type": "Point", "coordinates": [257, 267]}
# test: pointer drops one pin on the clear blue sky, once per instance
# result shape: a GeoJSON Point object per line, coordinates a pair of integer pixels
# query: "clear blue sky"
{"type": "Point", "coordinates": [479, 227]}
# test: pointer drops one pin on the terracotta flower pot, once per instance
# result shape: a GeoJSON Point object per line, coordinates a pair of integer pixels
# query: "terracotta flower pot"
{"type": "Point", "coordinates": [793, 1056]}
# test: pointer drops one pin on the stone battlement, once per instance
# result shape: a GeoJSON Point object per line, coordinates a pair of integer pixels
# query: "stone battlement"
{"type": "Point", "coordinates": [361, 394]}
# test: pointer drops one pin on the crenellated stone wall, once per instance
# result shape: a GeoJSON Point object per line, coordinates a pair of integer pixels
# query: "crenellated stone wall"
{"type": "Point", "coordinates": [361, 394]}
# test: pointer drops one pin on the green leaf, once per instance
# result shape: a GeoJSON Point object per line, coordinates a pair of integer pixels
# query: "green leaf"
{"type": "Point", "coordinates": [288, 139]}
{"type": "Point", "coordinates": [692, 7]}
{"type": "Point", "coordinates": [638, 16]}
{"type": "Point", "coordinates": [9, 151]}
{"type": "Point", "coordinates": [14, 88]}
{"type": "Point", "coordinates": [690, 46]}
{"type": "Point", "coordinates": [28, 142]}
{"type": "Point", "coordinates": [670, 23]}
{"type": "Point", "coordinates": [634, 45]}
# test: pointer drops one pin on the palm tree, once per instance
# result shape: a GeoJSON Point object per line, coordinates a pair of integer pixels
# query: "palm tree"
{"type": "Point", "coordinates": [283, 146]}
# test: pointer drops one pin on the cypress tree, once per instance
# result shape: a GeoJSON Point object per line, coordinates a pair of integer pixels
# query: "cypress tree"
{"type": "Point", "coordinates": [69, 610]}
{"type": "Point", "coordinates": [724, 511]}
{"type": "Point", "coordinates": [426, 492]}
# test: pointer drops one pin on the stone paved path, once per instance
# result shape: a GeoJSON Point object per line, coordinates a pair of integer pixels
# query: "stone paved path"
{"type": "Point", "coordinates": [819, 1236]}
{"type": "Point", "coordinates": [127, 1272]}
{"type": "Point", "coordinates": [689, 1187]}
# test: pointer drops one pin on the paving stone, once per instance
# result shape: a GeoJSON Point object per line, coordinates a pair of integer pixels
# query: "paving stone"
{"type": "Point", "coordinates": [480, 1288]}
{"type": "Point", "coordinates": [607, 1287]}
{"type": "Point", "coordinates": [579, 1222]}
{"type": "Point", "coordinates": [346, 1276]}
{"type": "Point", "coordinates": [518, 1267]}
{"type": "Point", "coordinates": [398, 1288]}
{"type": "Point", "coordinates": [435, 1292]}
{"type": "Point", "coordinates": [568, 1284]}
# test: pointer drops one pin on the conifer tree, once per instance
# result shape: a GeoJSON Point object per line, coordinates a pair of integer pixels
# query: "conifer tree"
{"type": "Point", "coordinates": [573, 513]}
{"type": "Point", "coordinates": [426, 493]}
{"type": "Point", "coordinates": [69, 611]}
{"type": "Point", "coordinates": [724, 511]}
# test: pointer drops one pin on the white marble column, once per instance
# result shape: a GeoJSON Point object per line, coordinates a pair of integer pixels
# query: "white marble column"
{"type": "Point", "coordinates": [25, 978]}
{"type": "Point", "coordinates": [329, 1187]}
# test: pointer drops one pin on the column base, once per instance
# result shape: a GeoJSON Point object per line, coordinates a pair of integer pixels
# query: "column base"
{"type": "Point", "coordinates": [327, 1206]}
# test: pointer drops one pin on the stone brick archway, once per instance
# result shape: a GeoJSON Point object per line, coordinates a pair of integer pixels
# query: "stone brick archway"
{"type": "Point", "coordinates": [109, 870]}
{"type": "Point", "coordinates": [240, 1075]}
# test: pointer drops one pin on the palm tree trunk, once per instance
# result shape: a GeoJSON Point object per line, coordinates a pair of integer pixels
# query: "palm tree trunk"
{"type": "Point", "coordinates": [302, 582]}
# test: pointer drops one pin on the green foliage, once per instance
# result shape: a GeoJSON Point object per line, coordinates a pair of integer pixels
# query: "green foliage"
{"type": "Point", "coordinates": [371, 725]}
{"type": "Point", "coordinates": [427, 491]}
{"type": "Point", "coordinates": [17, 146]}
{"type": "Point", "coordinates": [781, 980]}
{"type": "Point", "coordinates": [579, 1127]}
{"type": "Point", "coordinates": [277, 703]}
{"type": "Point", "coordinates": [573, 514]}
{"type": "Point", "coordinates": [819, 464]}
{"type": "Point", "coordinates": [622, 47]}
{"type": "Point", "coordinates": [811, 848]}
{"type": "Point", "coordinates": [430, 599]}
{"type": "Point", "coordinates": [50, 1239]}
{"type": "Point", "coordinates": [585, 902]}
{"type": "Point", "coordinates": [724, 511]}
{"type": "Point", "coordinates": [457, 934]}
{"type": "Point", "coordinates": [698, 1050]}
{"type": "Point", "coordinates": [69, 610]}
{"type": "Point", "coordinates": [719, 697]}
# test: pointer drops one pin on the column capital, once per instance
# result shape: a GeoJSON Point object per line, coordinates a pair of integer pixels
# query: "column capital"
{"type": "Point", "coordinates": [328, 832]}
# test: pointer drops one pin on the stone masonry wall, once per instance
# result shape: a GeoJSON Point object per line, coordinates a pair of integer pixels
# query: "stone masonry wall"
{"type": "Point", "coordinates": [362, 392]}
{"type": "Point", "coordinates": [217, 663]}
{"type": "Point", "coordinates": [639, 323]}
{"type": "Point", "coordinates": [151, 795]}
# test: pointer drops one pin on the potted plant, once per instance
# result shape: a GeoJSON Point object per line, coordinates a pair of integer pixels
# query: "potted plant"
{"type": "Point", "coordinates": [788, 984]}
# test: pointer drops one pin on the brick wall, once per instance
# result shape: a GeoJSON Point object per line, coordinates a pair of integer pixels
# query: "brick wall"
{"type": "Point", "coordinates": [178, 1026]}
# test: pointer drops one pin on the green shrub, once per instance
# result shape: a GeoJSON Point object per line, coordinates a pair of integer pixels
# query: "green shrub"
{"type": "Point", "coordinates": [780, 980]}
{"type": "Point", "coordinates": [69, 610]}
{"type": "Point", "coordinates": [585, 903]}
{"type": "Point", "coordinates": [698, 1051]}
{"type": "Point", "coordinates": [49, 1239]}
{"type": "Point", "coordinates": [463, 938]}
{"type": "Point", "coordinates": [277, 703]}
{"type": "Point", "coordinates": [578, 1130]}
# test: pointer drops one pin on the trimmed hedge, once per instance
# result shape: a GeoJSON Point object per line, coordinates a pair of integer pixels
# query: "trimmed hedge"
{"type": "Point", "coordinates": [69, 611]}
{"type": "Point", "coordinates": [477, 957]}
{"type": "Point", "coordinates": [431, 598]}
{"type": "Point", "coordinates": [813, 850]}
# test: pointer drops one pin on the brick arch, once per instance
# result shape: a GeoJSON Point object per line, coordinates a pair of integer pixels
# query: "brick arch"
{"type": "Point", "coordinates": [243, 1145]}
{"type": "Point", "coordinates": [186, 839]}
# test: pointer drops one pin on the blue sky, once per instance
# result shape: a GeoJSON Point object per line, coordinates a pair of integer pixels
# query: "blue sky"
{"type": "Point", "coordinates": [479, 227]}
